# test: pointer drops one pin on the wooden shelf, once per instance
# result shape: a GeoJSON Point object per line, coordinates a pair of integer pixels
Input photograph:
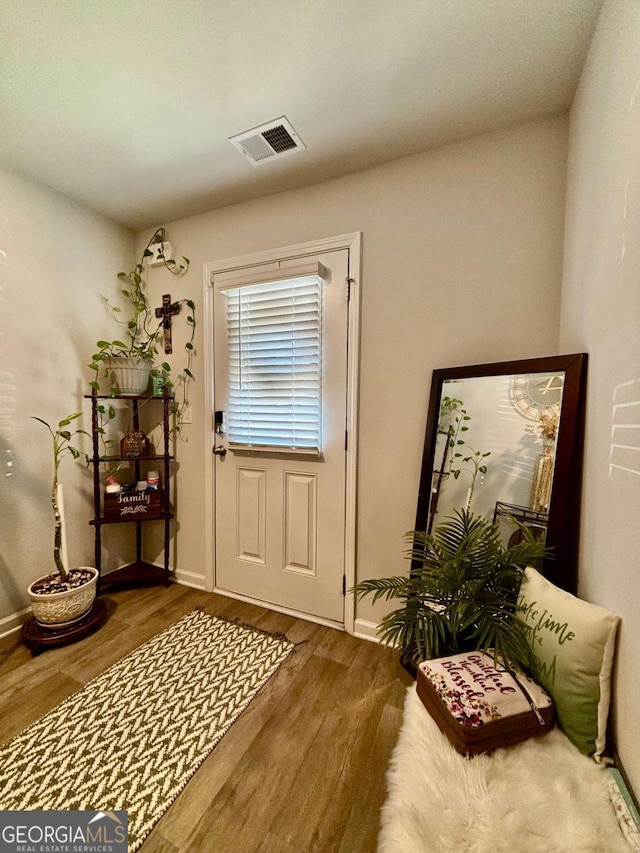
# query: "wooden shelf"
{"type": "Point", "coordinates": [164, 516]}
{"type": "Point", "coordinates": [135, 574]}
{"type": "Point", "coordinates": [129, 396]}
{"type": "Point", "coordinates": [138, 573]}
{"type": "Point", "coordinates": [159, 457]}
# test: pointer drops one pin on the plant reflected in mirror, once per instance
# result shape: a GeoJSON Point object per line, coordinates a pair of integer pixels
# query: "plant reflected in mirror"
{"type": "Point", "coordinates": [488, 447]}
{"type": "Point", "coordinates": [488, 427]}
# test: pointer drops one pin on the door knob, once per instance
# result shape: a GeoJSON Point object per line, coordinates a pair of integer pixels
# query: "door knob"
{"type": "Point", "coordinates": [220, 451]}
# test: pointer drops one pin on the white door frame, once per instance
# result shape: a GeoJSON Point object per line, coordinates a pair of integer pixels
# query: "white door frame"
{"type": "Point", "coordinates": [353, 242]}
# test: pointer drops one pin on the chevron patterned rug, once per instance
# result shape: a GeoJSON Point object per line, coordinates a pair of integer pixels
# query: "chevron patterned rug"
{"type": "Point", "coordinates": [132, 737]}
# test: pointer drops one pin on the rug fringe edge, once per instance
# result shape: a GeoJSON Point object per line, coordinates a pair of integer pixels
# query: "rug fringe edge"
{"type": "Point", "coordinates": [238, 623]}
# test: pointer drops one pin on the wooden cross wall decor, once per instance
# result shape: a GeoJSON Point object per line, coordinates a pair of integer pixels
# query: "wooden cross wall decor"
{"type": "Point", "coordinates": [167, 310]}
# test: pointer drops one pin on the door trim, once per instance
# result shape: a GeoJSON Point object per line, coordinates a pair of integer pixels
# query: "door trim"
{"type": "Point", "coordinates": [352, 242]}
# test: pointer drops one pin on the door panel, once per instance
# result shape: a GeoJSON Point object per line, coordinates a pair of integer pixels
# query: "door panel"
{"type": "Point", "coordinates": [251, 532]}
{"type": "Point", "coordinates": [300, 534]}
{"type": "Point", "coordinates": [280, 517]}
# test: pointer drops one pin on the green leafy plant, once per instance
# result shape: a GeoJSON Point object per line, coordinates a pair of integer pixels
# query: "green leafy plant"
{"type": "Point", "coordinates": [460, 594]}
{"type": "Point", "coordinates": [143, 332]}
{"type": "Point", "coordinates": [476, 466]}
{"type": "Point", "coordinates": [107, 444]}
{"type": "Point", "coordinates": [452, 421]}
{"type": "Point", "coordinates": [62, 447]}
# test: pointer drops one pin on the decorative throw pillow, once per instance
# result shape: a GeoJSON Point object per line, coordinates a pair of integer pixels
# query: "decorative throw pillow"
{"type": "Point", "coordinates": [573, 645]}
{"type": "Point", "coordinates": [480, 706]}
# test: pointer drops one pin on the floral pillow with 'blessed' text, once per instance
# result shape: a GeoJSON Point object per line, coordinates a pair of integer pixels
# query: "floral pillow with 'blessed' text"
{"type": "Point", "coordinates": [573, 645]}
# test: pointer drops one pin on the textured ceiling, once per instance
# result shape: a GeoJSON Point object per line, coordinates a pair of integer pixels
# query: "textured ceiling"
{"type": "Point", "coordinates": [127, 105]}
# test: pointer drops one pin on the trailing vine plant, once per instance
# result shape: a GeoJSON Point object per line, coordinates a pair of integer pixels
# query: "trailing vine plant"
{"type": "Point", "coordinates": [144, 332]}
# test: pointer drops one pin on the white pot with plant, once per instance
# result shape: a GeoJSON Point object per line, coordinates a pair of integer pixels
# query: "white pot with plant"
{"type": "Point", "coordinates": [128, 374]}
{"type": "Point", "coordinates": [64, 597]}
{"type": "Point", "coordinates": [128, 362]}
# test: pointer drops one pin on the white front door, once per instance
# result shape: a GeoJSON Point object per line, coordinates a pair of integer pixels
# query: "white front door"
{"type": "Point", "coordinates": [280, 514]}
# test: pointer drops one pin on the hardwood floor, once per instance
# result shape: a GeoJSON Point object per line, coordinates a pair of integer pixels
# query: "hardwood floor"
{"type": "Point", "coordinates": [303, 769]}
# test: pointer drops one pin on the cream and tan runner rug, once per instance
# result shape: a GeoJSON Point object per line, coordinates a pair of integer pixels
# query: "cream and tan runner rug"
{"type": "Point", "coordinates": [132, 737]}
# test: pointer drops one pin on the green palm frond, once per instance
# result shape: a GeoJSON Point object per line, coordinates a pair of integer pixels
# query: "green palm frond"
{"type": "Point", "coordinates": [460, 593]}
{"type": "Point", "coordinates": [396, 587]}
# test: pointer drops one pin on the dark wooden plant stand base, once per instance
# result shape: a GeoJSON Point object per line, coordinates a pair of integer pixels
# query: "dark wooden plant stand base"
{"type": "Point", "coordinates": [37, 639]}
{"type": "Point", "coordinates": [135, 575]}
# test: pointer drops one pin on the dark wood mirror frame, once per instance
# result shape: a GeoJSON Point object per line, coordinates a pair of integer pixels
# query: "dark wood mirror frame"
{"type": "Point", "coordinates": [564, 510]}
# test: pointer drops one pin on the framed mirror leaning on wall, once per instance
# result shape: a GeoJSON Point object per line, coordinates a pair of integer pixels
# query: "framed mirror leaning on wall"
{"type": "Point", "coordinates": [505, 440]}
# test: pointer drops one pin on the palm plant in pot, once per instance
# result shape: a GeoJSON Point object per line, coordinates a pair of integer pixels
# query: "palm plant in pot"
{"type": "Point", "coordinates": [62, 598]}
{"type": "Point", "coordinates": [460, 594]}
{"type": "Point", "coordinates": [128, 360]}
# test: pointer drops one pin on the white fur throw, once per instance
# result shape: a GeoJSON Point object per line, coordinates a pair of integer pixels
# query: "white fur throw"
{"type": "Point", "coordinates": [540, 796]}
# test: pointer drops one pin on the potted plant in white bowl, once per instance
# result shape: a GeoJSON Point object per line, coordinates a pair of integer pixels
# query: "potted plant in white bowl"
{"type": "Point", "coordinates": [62, 598]}
{"type": "Point", "coordinates": [128, 360]}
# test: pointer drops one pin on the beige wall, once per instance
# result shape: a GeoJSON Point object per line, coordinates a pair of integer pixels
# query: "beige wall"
{"type": "Point", "coordinates": [462, 254]}
{"type": "Point", "coordinates": [55, 258]}
{"type": "Point", "coordinates": [601, 315]}
{"type": "Point", "coordinates": [461, 264]}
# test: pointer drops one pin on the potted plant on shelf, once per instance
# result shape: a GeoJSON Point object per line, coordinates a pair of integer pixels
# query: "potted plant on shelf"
{"type": "Point", "coordinates": [129, 362]}
{"type": "Point", "coordinates": [60, 599]}
{"type": "Point", "coordinates": [460, 594]}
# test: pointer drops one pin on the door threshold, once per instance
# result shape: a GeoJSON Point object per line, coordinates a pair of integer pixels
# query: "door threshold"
{"type": "Point", "coordinates": [287, 611]}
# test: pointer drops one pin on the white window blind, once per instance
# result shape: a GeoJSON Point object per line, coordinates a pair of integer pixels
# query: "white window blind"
{"type": "Point", "coordinates": [274, 335]}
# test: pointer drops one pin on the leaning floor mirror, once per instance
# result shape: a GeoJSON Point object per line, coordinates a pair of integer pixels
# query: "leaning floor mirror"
{"type": "Point", "coordinates": [505, 441]}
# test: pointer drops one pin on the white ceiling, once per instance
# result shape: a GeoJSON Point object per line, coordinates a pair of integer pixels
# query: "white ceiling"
{"type": "Point", "coordinates": [127, 105]}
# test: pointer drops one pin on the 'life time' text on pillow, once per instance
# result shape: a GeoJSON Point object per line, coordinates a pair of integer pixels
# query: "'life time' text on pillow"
{"type": "Point", "coordinates": [538, 620]}
{"type": "Point", "coordinates": [572, 644]}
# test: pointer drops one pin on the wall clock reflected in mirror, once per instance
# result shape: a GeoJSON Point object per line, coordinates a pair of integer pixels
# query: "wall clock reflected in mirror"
{"type": "Point", "coordinates": [536, 394]}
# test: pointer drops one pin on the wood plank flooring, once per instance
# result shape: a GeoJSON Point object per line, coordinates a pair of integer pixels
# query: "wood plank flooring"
{"type": "Point", "coordinates": [303, 769]}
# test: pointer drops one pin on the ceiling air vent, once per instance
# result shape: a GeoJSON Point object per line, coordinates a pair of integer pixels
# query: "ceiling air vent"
{"type": "Point", "coordinates": [270, 141]}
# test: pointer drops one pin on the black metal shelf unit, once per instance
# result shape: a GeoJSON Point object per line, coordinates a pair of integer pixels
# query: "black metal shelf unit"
{"type": "Point", "coordinates": [139, 572]}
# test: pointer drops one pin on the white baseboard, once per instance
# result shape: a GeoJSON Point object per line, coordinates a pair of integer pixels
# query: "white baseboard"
{"type": "Point", "coordinates": [190, 579]}
{"type": "Point", "coordinates": [363, 628]}
{"type": "Point", "coordinates": [13, 622]}
{"type": "Point", "coordinates": [366, 630]}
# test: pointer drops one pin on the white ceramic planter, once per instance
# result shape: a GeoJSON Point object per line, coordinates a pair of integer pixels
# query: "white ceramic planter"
{"type": "Point", "coordinates": [59, 609]}
{"type": "Point", "coordinates": [129, 375]}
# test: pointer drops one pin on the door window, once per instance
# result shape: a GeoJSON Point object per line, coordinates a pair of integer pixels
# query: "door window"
{"type": "Point", "coordinates": [274, 350]}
